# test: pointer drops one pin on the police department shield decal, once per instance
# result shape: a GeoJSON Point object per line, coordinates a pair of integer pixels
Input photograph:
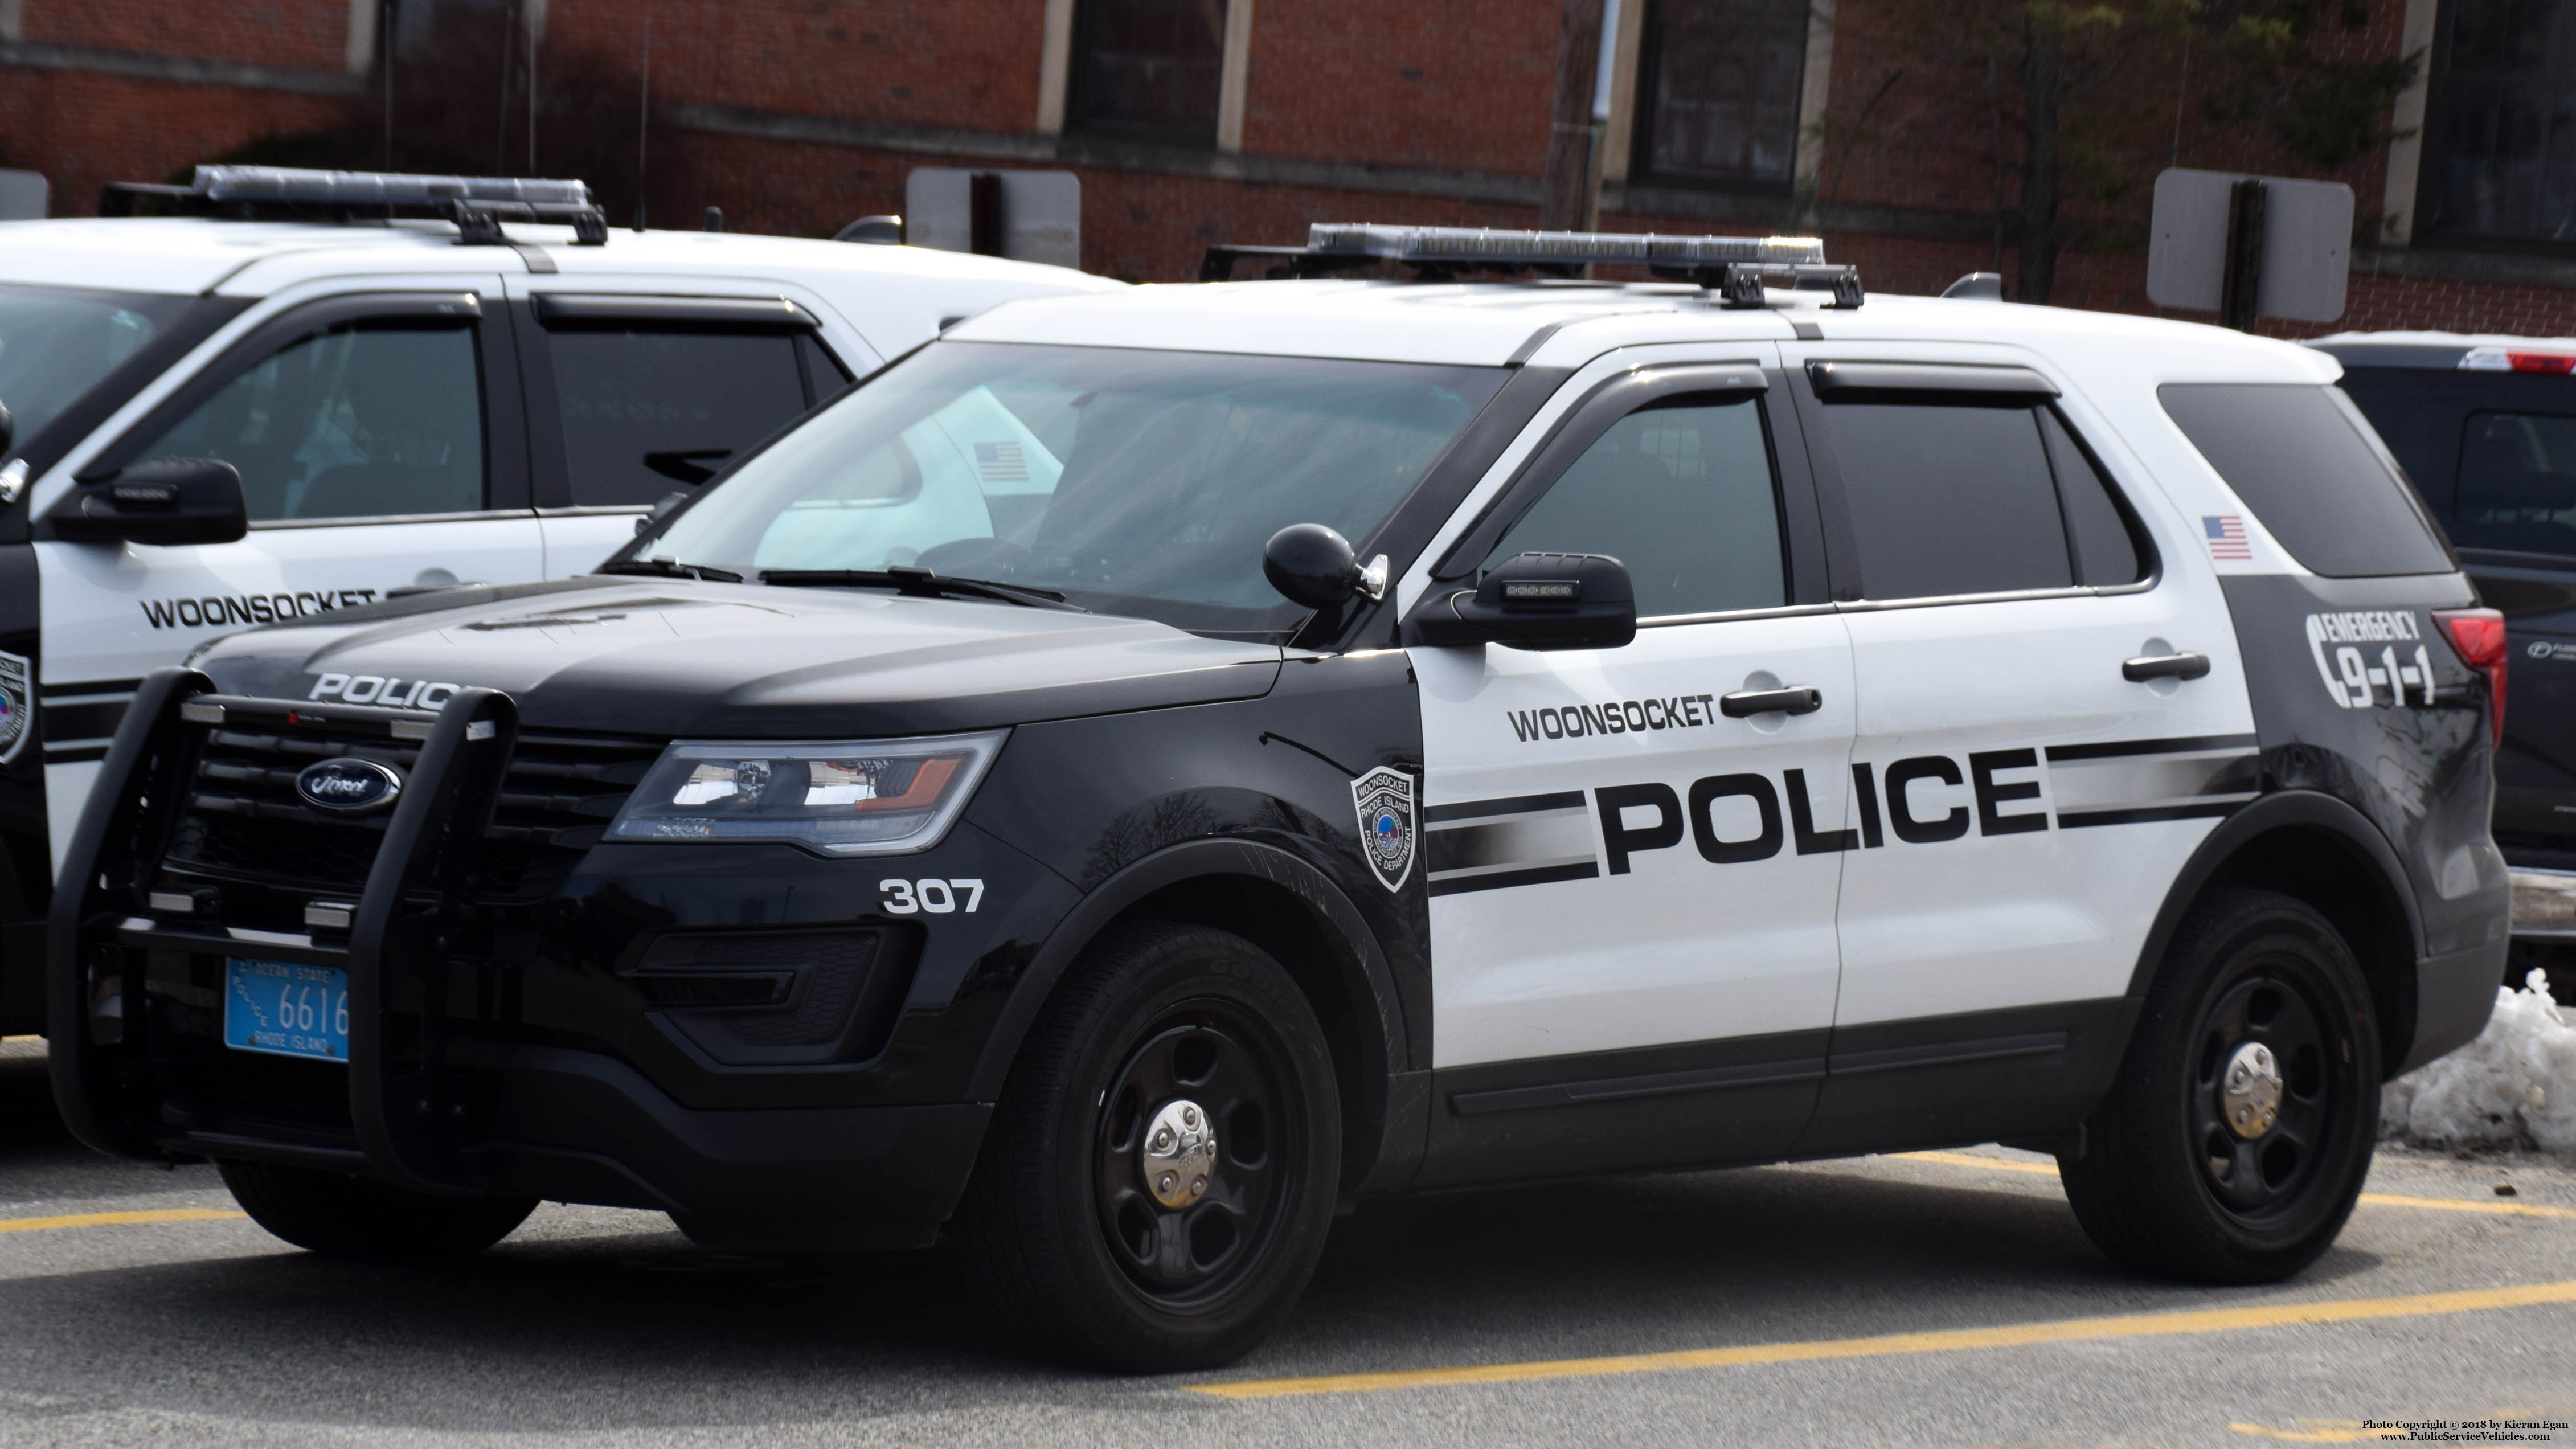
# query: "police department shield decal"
{"type": "Point", "coordinates": [17, 704]}
{"type": "Point", "coordinates": [1385, 801]}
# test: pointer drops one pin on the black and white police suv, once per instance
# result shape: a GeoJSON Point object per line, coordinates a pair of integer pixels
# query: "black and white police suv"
{"type": "Point", "coordinates": [1752, 724]}
{"type": "Point", "coordinates": [368, 398]}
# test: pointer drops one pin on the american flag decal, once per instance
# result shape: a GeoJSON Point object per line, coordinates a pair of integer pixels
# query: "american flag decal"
{"type": "Point", "coordinates": [2226, 536]}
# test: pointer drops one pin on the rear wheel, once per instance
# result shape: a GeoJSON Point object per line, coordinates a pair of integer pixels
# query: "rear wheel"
{"type": "Point", "coordinates": [1159, 1176]}
{"type": "Point", "coordinates": [2235, 1142]}
{"type": "Point", "coordinates": [340, 1216]}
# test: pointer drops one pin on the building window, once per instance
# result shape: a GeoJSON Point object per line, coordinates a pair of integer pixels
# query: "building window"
{"type": "Point", "coordinates": [2501, 143]}
{"type": "Point", "coordinates": [1152, 69]}
{"type": "Point", "coordinates": [1718, 99]}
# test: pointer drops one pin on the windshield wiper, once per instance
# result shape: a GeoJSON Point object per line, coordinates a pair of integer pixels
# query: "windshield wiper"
{"type": "Point", "coordinates": [921, 584]}
{"type": "Point", "coordinates": [663, 568]}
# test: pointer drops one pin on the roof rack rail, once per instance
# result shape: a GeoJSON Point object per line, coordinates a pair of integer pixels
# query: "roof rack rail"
{"type": "Point", "coordinates": [1733, 267]}
{"type": "Point", "coordinates": [476, 204]}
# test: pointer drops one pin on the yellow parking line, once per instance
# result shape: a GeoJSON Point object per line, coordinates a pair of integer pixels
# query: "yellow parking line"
{"type": "Point", "coordinates": [2370, 1199]}
{"type": "Point", "coordinates": [1970, 1159]}
{"type": "Point", "coordinates": [101, 1220]}
{"type": "Point", "coordinates": [2011, 1335]}
{"type": "Point", "coordinates": [2467, 1205]}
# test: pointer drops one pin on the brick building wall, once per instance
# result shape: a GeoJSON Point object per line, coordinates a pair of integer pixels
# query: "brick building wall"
{"type": "Point", "coordinates": [795, 116]}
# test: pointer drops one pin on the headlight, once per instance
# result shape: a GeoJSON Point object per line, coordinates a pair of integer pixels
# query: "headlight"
{"type": "Point", "coordinates": [865, 797]}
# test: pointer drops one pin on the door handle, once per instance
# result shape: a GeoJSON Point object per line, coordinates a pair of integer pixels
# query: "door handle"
{"type": "Point", "coordinates": [1795, 699]}
{"type": "Point", "coordinates": [2164, 666]}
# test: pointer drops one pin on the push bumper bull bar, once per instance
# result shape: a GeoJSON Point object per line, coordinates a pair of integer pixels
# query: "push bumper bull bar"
{"type": "Point", "coordinates": [396, 952]}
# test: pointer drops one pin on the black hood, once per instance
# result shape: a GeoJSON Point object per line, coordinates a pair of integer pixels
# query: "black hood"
{"type": "Point", "coordinates": [676, 658]}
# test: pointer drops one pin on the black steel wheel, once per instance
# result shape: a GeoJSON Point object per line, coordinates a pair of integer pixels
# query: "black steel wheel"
{"type": "Point", "coordinates": [1182, 1165]}
{"type": "Point", "coordinates": [2234, 1142]}
{"type": "Point", "coordinates": [1160, 1174]}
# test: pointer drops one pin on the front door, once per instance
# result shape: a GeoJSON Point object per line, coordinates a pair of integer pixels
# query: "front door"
{"type": "Point", "coordinates": [380, 448]}
{"type": "Point", "coordinates": [1631, 881]}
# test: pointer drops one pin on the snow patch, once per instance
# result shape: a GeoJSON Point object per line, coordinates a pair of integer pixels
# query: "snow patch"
{"type": "Point", "coordinates": [2515, 1086]}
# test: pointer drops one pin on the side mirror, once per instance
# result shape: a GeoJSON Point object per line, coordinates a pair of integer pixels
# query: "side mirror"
{"type": "Point", "coordinates": [159, 501]}
{"type": "Point", "coordinates": [1534, 601]}
{"type": "Point", "coordinates": [1314, 566]}
{"type": "Point", "coordinates": [8, 430]}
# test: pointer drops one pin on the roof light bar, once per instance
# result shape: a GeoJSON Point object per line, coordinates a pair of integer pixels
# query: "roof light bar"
{"type": "Point", "coordinates": [1735, 268]}
{"type": "Point", "coordinates": [1434, 245]}
{"type": "Point", "coordinates": [2497, 359]}
{"type": "Point", "coordinates": [378, 188]}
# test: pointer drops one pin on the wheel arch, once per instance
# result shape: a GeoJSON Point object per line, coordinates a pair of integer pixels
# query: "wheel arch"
{"type": "Point", "coordinates": [1280, 903]}
{"type": "Point", "coordinates": [2319, 850]}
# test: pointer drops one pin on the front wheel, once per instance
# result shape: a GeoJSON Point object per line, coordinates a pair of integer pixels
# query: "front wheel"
{"type": "Point", "coordinates": [340, 1216]}
{"type": "Point", "coordinates": [2235, 1141]}
{"type": "Point", "coordinates": [1160, 1173]}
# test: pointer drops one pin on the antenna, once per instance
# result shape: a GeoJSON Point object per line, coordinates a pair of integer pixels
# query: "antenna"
{"type": "Point", "coordinates": [643, 119]}
{"type": "Point", "coordinates": [385, 38]}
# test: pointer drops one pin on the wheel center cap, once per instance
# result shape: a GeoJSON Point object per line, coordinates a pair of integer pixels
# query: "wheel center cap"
{"type": "Point", "coordinates": [1179, 1155]}
{"type": "Point", "coordinates": [2249, 1092]}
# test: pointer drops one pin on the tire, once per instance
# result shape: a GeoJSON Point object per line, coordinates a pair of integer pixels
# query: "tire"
{"type": "Point", "coordinates": [340, 1216]}
{"type": "Point", "coordinates": [2176, 1175]}
{"type": "Point", "coordinates": [1061, 1233]}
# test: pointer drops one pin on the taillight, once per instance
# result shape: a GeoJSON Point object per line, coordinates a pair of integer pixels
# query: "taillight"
{"type": "Point", "coordinates": [2478, 635]}
{"type": "Point", "coordinates": [2498, 359]}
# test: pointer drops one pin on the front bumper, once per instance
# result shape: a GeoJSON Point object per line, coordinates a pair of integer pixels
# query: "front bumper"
{"type": "Point", "coordinates": [443, 1093]}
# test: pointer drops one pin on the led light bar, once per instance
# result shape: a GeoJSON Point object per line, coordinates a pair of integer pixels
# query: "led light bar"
{"type": "Point", "coordinates": [378, 188]}
{"type": "Point", "coordinates": [1434, 245]}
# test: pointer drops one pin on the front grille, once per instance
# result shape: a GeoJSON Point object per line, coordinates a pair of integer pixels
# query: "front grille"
{"type": "Point", "coordinates": [243, 821]}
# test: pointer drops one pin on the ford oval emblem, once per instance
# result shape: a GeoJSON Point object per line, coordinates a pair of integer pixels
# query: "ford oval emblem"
{"type": "Point", "coordinates": [349, 786]}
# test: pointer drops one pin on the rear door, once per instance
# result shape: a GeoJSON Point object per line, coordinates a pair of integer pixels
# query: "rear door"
{"type": "Point", "coordinates": [2025, 802]}
{"type": "Point", "coordinates": [381, 447]}
{"type": "Point", "coordinates": [641, 388]}
{"type": "Point", "coordinates": [1632, 890]}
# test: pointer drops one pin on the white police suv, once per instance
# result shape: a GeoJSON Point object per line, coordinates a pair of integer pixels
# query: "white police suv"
{"type": "Point", "coordinates": [369, 405]}
{"type": "Point", "coordinates": [1149, 769]}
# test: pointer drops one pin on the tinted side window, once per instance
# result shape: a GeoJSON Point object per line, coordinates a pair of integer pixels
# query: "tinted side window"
{"type": "Point", "coordinates": [647, 411]}
{"type": "Point", "coordinates": [1948, 498]}
{"type": "Point", "coordinates": [355, 421]}
{"type": "Point", "coordinates": [2297, 456]}
{"type": "Point", "coordinates": [2517, 484]}
{"type": "Point", "coordinates": [1681, 493]}
{"type": "Point", "coordinates": [2105, 550]}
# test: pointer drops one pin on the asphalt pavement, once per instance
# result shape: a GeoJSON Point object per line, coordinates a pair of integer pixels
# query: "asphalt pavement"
{"type": "Point", "coordinates": [1926, 1299]}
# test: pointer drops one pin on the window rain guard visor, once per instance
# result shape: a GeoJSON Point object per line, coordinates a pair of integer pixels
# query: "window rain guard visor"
{"type": "Point", "coordinates": [1133, 481]}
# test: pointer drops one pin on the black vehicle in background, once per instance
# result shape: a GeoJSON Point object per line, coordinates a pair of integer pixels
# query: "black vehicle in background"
{"type": "Point", "coordinates": [2486, 429]}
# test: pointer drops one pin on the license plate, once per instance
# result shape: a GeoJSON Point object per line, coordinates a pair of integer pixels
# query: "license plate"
{"type": "Point", "coordinates": [286, 1010]}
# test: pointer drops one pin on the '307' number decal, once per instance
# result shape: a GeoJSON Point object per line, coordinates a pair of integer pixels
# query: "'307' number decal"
{"type": "Point", "coordinates": [937, 897]}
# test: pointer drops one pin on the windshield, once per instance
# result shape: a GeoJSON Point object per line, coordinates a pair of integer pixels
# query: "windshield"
{"type": "Point", "coordinates": [1131, 481]}
{"type": "Point", "coordinates": [56, 343]}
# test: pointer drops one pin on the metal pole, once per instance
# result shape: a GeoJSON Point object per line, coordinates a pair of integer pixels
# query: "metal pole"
{"type": "Point", "coordinates": [385, 38]}
{"type": "Point", "coordinates": [643, 119]}
{"type": "Point", "coordinates": [501, 107]}
{"type": "Point", "coordinates": [2240, 287]}
{"type": "Point", "coordinates": [1566, 186]}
